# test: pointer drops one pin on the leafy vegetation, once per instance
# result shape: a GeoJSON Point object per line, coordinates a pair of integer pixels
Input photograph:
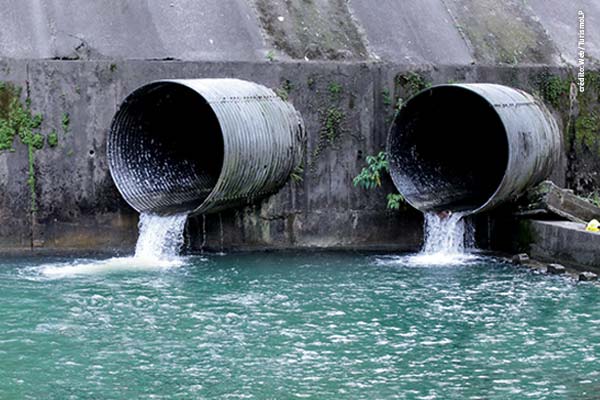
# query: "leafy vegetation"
{"type": "Point", "coordinates": [52, 138]}
{"type": "Point", "coordinates": [284, 91]}
{"type": "Point", "coordinates": [395, 201]}
{"type": "Point", "coordinates": [412, 82]}
{"type": "Point", "coordinates": [333, 124]}
{"type": "Point", "coordinates": [553, 88]}
{"type": "Point", "coordinates": [587, 127]}
{"type": "Point", "coordinates": [297, 174]}
{"type": "Point", "coordinates": [387, 98]}
{"type": "Point", "coordinates": [371, 175]}
{"type": "Point", "coordinates": [594, 198]}
{"type": "Point", "coordinates": [335, 90]}
{"type": "Point", "coordinates": [66, 122]}
{"type": "Point", "coordinates": [331, 128]}
{"type": "Point", "coordinates": [18, 121]}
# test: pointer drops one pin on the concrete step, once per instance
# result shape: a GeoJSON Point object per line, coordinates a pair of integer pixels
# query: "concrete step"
{"type": "Point", "coordinates": [564, 242]}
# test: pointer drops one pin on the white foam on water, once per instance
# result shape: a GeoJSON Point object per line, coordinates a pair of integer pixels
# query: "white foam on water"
{"type": "Point", "coordinates": [449, 240]}
{"type": "Point", "coordinates": [158, 247]}
{"type": "Point", "coordinates": [111, 265]}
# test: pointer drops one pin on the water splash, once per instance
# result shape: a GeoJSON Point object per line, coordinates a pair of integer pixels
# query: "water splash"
{"type": "Point", "coordinates": [158, 247]}
{"type": "Point", "coordinates": [445, 237]}
{"type": "Point", "coordinates": [160, 237]}
{"type": "Point", "coordinates": [444, 233]}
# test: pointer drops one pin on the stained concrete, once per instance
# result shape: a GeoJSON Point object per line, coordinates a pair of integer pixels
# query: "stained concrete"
{"type": "Point", "coordinates": [428, 32]}
{"type": "Point", "coordinates": [82, 58]}
{"type": "Point", "coordinates": [565, 242]}
{"type": "Point", "coordinates": [560, 21]}
{"type": "Point", "coordinates": [405, 33]}
{"type": "Point", "coordinates": [139, 29]}
{"type": "Point", "coordinates": [79, 206]}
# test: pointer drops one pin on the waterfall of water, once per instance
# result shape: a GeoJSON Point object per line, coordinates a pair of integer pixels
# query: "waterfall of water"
{"type": "Point", "coordinates": [447, 239]}
{"type": "Point", "coordinates": [444, 234]}
{"type": "Point", "coordinates": [158, 246]}
{"type": "Point", "coordinates": [160, 237]}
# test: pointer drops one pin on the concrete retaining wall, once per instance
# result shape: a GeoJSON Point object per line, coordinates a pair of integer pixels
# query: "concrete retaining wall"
{"type": "Point", "coordinates": [566, 243]}
{"type": "Point", "coordinates": [341, 63]}
{"type": "Point", "coordinates": [79, 207]}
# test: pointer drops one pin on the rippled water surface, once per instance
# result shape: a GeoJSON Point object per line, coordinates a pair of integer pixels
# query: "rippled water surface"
{"type": "Point", "coordinates": [278, 326]}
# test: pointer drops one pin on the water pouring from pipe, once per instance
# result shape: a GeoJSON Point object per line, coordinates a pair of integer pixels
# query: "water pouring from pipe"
{"type": "Point", "coordinates": [466, 148]}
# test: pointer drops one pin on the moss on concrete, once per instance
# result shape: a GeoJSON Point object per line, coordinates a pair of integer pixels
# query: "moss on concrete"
{"type": "Point", "coordinates": [554, 89]}
{"type": "Point", "coordinates": [9, 107]}
{"type": "Point", "coordinates": [312, 29]}
{"type": "Point", "coordinates": [412, 82]}
{"type": "Point", "coordinates": [284, 90]}
{"type": "Point", "coordinates": [582, 134]}
{"type": "Point", "coordinates": [587, 123]}
{"type": "Point", "coordinates": [52, 138]}
{"type": "Point", "coordinates": [587, 131]}
{"type": "Point", "coordinates": [503, 32]}
{"type": "Point", "coordinates": [18, 120]}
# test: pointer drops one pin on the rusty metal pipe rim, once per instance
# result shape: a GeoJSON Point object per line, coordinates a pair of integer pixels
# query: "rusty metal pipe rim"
{"type": "Point", "coordinates": [470, 147]}
{"type": "Point", "coordinates": [202, 145]}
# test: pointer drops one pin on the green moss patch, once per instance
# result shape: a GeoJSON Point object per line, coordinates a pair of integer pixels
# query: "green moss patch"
{"type": "Point", "coordinates": [503, 32]}
{"type": "Point", "coordinates": [587, 130]}
{"type": "Point", "coordinates": [18, 121]}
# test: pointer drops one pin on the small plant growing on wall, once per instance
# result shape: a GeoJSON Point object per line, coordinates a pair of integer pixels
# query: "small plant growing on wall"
{"type": "Point", "coordinates": [18, 121]}
{"type": "Point", "coordinates": [371, 175]}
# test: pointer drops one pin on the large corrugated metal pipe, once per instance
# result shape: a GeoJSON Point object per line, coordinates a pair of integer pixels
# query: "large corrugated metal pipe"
{"type": "Point", "coordinates": [469, 147]}
{"type": "Point", "coordinates": [202, 145]}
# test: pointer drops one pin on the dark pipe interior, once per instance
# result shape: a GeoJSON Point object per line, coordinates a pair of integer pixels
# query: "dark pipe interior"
{"type": "Point", "coordinates": [167, 148]}
{"type": "Point", "coordinates": [448, 150]}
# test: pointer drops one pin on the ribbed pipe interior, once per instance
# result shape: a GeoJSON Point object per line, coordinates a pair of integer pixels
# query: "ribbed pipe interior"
{"type": "Point", "coordinates": [165, 148]}
{"type": "Point", "coordinates": [448, 150]}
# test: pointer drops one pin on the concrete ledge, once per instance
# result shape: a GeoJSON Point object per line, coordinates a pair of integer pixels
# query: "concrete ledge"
{"type": "Point", "coordinates": [566, 243]}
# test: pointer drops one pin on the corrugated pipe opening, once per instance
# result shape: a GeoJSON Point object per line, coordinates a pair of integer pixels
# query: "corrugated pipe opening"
{"type": "Point", "coordinates": [202, 145]}
{"type": "Point", "coordinates": [469, 147]}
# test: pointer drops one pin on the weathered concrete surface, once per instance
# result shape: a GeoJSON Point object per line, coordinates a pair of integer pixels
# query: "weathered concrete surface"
{"type": "Point", "coordinates": [505, 32]}
{"type": "Point", "coordinates": [79, 207]}
{"type": "Point", "coordinates": [116, 29]}
{"type": "Point", "coordinates": [400, 32]}
{"type": "Point", "coordinates": [312, 30]}
{"type": "Point", "coordinates": [458, 32]}
{"type": "Point", "coordinates": [560, 21]}
{"type": "Point", "coordinates": [549, 199]}
{"type": "Point", "coordinates": [564, 242]}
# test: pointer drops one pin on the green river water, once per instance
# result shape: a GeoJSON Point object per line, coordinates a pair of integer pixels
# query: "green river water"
{"type": "Point", "coordinates": [294, 325]}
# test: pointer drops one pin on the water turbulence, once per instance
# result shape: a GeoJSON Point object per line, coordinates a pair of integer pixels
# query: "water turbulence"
{"type": "Point", "coordinates": [447, 238]}
{"type": "Point", "coordinates": [456, 150]}
{"type": "Point", "coordinates": [160, 236]}
{"type": "Point", "coordinates": [158, 247]}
